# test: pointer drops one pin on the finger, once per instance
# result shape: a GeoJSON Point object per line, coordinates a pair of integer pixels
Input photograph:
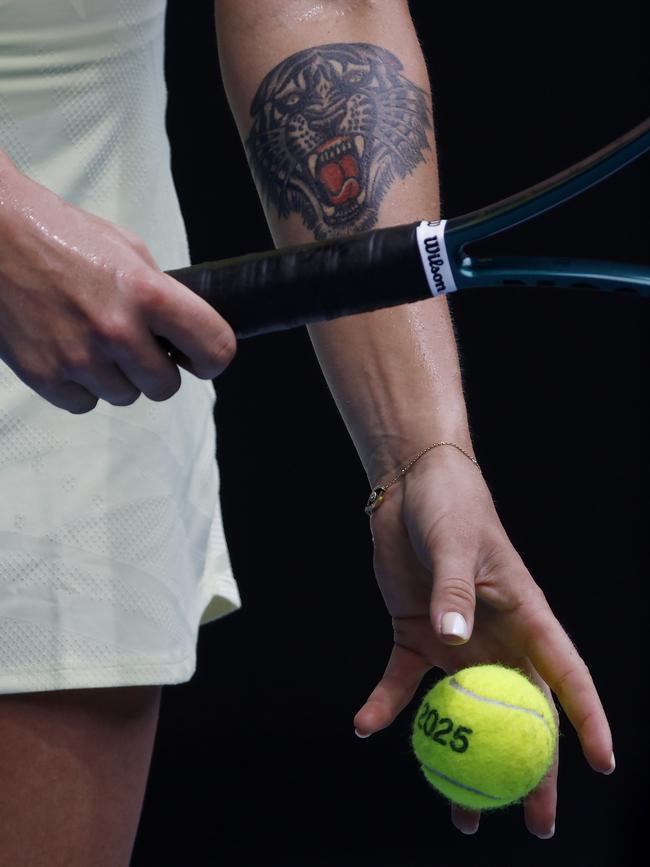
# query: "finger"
{"type": "Point", "coordinates": [558, 662]}
{"type": "Point", "coordinates": [104, 379]}
{"type": "Point", "coordinates": [453, 598]}
{"type": "Point", "coordinates": [174, 354]}
{"type": "Point", "coordinates": [69, 396]}
{"type": "Point", "coordinates": [122, 365]}
{"type": "Point", "coordinates": [541, 804]}
{"type": "Point", "coordinates": [146, 366]}
{"type": "Point", "coordinates": [192, 326]}
{"type": "Point", "coordinates": [465, 820]}
{"type": "Point", "coordinates": [393, 693]}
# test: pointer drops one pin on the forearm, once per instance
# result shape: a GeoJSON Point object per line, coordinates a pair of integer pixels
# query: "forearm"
{"type": "Point", "coordinates": [340, 141]}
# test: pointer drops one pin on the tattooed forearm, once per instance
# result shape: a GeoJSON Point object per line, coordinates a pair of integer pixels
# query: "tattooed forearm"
{"type": "Point", "coordinates": [333, 127]}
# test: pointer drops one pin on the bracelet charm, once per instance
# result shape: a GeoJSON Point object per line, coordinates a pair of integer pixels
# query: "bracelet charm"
{"type": "Point", "coordinates": [375, 499]}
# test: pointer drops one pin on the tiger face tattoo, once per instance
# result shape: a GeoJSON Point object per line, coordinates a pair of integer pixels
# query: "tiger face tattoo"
{"type": "Point", "coordinates": [333, 127]}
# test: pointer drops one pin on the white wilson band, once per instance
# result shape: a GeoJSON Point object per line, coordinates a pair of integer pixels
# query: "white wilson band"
{"type": "Point", "coordinates": [435, 258]}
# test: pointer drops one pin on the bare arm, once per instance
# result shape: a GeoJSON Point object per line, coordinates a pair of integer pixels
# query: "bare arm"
{"type": "Point", "coordinates": [333, 106]}
{"type": "Point", "coordinates": [340, 140]}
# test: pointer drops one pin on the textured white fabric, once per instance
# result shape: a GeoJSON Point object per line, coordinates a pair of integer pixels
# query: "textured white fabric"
{"type": "Point", "coordinates": [112, 548]}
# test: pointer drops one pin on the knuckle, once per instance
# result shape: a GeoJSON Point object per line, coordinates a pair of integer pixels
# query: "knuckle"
{"type": "Point", "coordinates": [567, 681]}
{"type": "Point", "coordinates": [142, 248]}
{"type": "Point", "coordinates": [42, 381]}
{"type": "Point", "coordinates": [226, 348]}
{"type": "Point", "coordinates": [222, 350]}
{"type": "Point", "coordinates": [53, 385]}
{"type": "Point", "coordinates": [584, 717]}
{"type": "Point", "coordinates": [76, 358]}
{"type": "Point", "coordinates": [539, 597]}
{"type": "Point", "coordinates": [147, 289]}
{"type": "Point", "coordinates": [535, 602]}
{"type": "Point", "coordinates": [115, 330]}
{"type": "Point", "coordinates": [135, 240]}
{"type": "Point", "coordinates": [459, 589]}
{"type": "Point", "coordinates": [532, 613]}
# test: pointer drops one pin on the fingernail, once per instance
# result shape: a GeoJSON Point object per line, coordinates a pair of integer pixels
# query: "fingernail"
{"type": "Point", "coordinates": [612, 766]}
{"type": "Point", "coordinates": [549, 835]}
{"type": "Point", "coordinates": [362, 736]}
{"type": "Point", "coordinates": [454, 623]}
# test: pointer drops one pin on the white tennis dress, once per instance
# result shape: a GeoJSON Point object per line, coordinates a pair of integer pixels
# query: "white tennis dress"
{"type": "Point", "coordinates": [112, 548]}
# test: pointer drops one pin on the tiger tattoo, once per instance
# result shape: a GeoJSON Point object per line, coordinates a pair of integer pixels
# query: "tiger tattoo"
{"type": "Point", "coordinates": [333, 127]}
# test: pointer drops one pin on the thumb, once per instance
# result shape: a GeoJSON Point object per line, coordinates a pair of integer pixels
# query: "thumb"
{"type": "Point", "coordinates": [453, 597]}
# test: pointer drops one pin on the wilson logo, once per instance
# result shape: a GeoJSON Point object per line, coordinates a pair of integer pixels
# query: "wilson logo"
{"type": "Point", "coordinates": [434, 257]}
{"type": "Point", "coordinates": [432, 246]}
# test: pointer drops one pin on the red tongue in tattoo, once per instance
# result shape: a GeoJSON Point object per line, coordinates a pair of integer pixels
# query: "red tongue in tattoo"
{"type": "Point", "coordinates": [339, 177]}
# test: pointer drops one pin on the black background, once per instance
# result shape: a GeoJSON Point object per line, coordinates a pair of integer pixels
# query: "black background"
{"type": "Point", "coordinates": [256, 762]}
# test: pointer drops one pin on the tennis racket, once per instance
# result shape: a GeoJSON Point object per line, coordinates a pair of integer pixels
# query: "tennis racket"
{"type": "Point", "coordinates": [297, 285]}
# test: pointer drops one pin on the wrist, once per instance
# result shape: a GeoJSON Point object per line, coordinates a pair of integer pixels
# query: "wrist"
{"type": "Point", "coordinates": [394, 451]}
{"type": "Point", "coordinates": [410, 471]}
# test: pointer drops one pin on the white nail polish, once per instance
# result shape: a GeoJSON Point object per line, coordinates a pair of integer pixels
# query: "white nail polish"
{"type": "Point", "coordinates": [360, 735]}
{"type": "Point", "coordinates": [454, 623]}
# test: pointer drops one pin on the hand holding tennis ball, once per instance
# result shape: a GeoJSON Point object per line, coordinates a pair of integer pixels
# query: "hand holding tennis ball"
{"type": "Point", "coordinates": [439, 547]}
{"type": "Point", "coordinates": [485, 737]}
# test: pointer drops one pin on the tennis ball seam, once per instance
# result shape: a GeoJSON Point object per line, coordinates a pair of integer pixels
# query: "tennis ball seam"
{"type": "Point", "coordinates": [460, 785]}
{"type": "Point", "coordinates": [453, 683]}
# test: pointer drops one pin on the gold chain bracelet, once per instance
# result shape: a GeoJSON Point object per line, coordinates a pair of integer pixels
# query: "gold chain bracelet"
{"type": "Point", "coordinates": [376, 497]}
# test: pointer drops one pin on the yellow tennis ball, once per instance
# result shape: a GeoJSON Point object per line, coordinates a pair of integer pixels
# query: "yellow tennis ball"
{"type": "Point", "coordinates": [485, 736]}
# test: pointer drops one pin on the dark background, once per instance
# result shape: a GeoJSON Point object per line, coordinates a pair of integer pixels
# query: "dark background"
{"type": "Point", "coordinates": [256, 762]}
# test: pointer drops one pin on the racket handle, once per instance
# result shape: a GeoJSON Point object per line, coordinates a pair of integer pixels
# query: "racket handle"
{"type": "Point", "coordinates": [281, 289]}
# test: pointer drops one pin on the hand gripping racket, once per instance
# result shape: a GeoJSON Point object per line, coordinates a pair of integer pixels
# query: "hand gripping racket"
{"type": "Point", "coordinates": [297, 285]}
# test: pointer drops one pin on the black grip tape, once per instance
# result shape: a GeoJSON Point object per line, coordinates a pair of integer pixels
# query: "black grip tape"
{"type": "Point", "coordinates": [281, 289]}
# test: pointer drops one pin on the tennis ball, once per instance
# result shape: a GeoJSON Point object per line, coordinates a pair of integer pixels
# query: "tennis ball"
{"type": "Point", "coordinates": [485, 736]}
